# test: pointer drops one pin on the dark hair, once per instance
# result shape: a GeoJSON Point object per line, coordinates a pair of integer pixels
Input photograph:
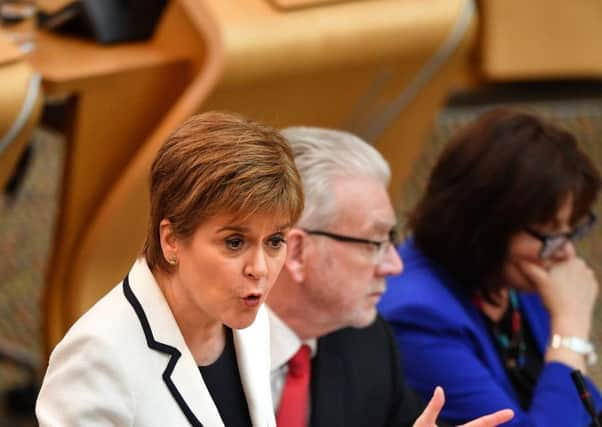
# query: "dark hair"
{"type": "Point", "coordinates": [505, 171]}
{"type": "Point", "coordinates": [220, 163]}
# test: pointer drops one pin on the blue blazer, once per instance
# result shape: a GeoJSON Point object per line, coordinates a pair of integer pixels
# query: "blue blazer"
{"type": "Point", "coordinates": [444, 340]}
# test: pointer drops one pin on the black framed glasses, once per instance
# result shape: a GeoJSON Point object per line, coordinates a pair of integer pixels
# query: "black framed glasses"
{"type": "Point", "coordinates": [381, 246]}
{"type": "Point", "coordinates": [553, 242]}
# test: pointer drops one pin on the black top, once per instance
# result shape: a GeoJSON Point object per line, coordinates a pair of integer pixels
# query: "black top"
{"type": "Point", "coordinates": [222, 378]}
{"type": "Point", "coordinates": [523, 367]}
{"type": "Point", "coordinates": [524, 379]}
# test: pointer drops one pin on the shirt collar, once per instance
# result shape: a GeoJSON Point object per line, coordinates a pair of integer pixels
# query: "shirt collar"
{"type": "Point", "coordinates": [284, 343]}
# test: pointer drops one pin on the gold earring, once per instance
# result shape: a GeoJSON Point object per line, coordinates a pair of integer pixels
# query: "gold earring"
{"type": "Point", "coordinates": [172, 260]}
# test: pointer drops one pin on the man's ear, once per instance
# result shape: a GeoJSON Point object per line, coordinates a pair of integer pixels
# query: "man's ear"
{"type": "Point", "coordinates": [169, 242]}
{"type": "Point", "coordinates": [295, 254]}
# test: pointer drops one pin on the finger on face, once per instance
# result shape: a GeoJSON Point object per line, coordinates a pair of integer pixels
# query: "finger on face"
{"type": "Point", "coordinates": [492, 420]}
{"type": "Point", "coordinates": [431, 412]}
{"type": "Point", "coordinates": [533, 272]}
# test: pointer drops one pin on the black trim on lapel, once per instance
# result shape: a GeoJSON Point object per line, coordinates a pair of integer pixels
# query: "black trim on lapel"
{"type": "Point", "coordinates": [163, 348]}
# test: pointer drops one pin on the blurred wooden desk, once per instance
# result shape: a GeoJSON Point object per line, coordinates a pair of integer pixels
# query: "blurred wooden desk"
{"type": "Point", "coordinates": [337, 65]}
{"type": "Point", "coordinates": [117, 94]}
{"type": "Point", "coordinates": [72, 64]}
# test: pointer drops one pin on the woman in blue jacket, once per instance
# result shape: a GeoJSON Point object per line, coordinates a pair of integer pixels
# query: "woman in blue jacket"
{"type": "Point", "coordinates": [494, 303]}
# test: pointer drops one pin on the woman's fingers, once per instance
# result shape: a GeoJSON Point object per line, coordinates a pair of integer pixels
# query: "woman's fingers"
{"type": "Point", "coordinates": [536, 274]}
{"type": "Point", "coordinates": [429, 416]}
{"type": "Point", "coordinates": [491, 420]}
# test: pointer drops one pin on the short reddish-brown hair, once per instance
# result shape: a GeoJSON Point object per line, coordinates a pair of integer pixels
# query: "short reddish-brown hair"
{"type": "Point", "coordinates": [219, 163]}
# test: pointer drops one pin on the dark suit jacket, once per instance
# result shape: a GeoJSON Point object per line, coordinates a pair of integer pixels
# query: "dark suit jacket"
{"type": "Point", "coordinates": [357, 381]}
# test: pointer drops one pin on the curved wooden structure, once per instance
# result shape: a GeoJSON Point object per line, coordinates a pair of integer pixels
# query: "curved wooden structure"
{"type": "Point", "coordinates": [20, 107]}
{"type": "Point", "coordinates": [347, 64]}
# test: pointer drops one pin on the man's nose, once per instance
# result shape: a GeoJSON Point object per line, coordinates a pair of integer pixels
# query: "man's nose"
{"type": "Point", "coordinates": [391, 264]}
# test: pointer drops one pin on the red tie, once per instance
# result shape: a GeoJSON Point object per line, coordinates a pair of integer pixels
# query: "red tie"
{"type": "Point", "coordinates": [294, 403]}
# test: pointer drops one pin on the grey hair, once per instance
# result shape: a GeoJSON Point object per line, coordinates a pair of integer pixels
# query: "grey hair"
{"type": "Point", "coordinates": [321, 156]}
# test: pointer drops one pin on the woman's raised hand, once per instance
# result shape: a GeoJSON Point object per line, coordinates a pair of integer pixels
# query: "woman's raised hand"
{"type": "Point", "coordinates": [429, 416]}
{"type": "Point", "coordinates": [568, 290]}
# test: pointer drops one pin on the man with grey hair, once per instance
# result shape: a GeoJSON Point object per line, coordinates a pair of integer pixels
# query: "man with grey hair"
{"type": "Point", "coordinates": [334, 361]}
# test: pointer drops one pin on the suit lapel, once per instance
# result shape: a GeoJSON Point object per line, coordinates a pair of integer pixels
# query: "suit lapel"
{"type": "Point", "coordinates": [181, 374]}
{"type": "Point", "coordinates": [252, 346]}
{"type": "Point", "coordinates": [328, 387]}
{"type": "Point", "coordinates": [534, 311]}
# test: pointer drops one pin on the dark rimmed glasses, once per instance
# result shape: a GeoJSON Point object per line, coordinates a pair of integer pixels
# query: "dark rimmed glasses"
{"type": "Point", "coordinates": [553, 242]}
{"type": "Point", "coordinates": [381, 246]}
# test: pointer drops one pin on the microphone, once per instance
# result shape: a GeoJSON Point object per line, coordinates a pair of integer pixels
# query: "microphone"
{"type": "Point", "coordinates": [585, 396]}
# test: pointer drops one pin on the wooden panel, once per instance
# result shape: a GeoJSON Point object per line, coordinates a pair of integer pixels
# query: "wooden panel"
{"type": "Point", "coordinates": [69, 63]}
{"type": "Point", "coordinates": [541, 39]}
{"type": "Point", "coordinates": [8, 51]}
{"type": "Point", "coordinates": [15, 75]}
{"type": "Point", "coordinates": [52, 6]}
{"type": "Point", "coordinates": [298, 4]}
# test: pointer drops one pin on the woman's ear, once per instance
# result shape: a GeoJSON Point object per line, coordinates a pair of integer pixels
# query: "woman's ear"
{"type": "Point", "coordinates": [295, 254]}
{"type": "Point", "coordinates": [169, 242]}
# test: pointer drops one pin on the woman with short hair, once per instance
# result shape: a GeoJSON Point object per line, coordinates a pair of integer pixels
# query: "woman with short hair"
{"type": "Point", "coordinates": [183, 340]}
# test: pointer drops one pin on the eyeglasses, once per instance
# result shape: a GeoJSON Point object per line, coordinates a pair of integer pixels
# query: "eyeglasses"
{"type": "Point", "coordinates": [381, 246]}
{"type": "Point", "coordinates": [553, 242]}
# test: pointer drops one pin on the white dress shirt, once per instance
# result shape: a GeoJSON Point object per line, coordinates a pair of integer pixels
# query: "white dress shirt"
{"type": "Point", "coordinates": [284, 343]}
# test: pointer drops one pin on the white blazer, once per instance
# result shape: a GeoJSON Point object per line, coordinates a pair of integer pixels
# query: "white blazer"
{"type": "Point", "coordinates": [125, 363]}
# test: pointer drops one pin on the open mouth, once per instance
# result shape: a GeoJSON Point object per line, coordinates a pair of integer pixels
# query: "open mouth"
{"type": "Point", "coordinates": [252, 300]}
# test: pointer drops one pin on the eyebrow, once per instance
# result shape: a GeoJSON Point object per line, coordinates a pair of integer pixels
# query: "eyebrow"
{"type": "Point", "coordinates": [384, 225]}
{"type": "Point", "coordinates": [245, 229]}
